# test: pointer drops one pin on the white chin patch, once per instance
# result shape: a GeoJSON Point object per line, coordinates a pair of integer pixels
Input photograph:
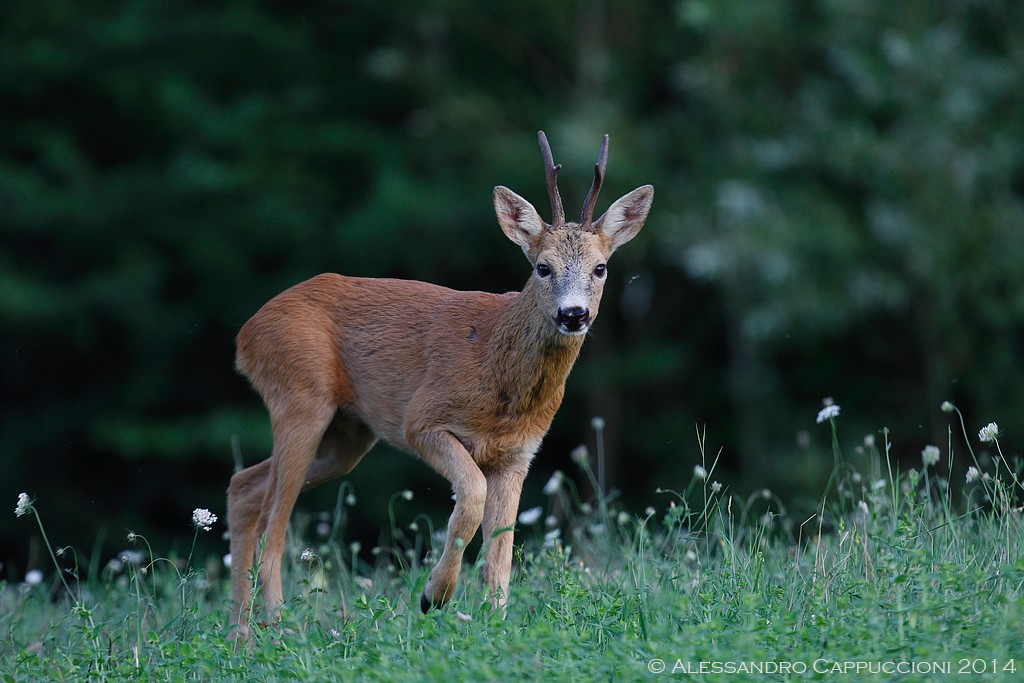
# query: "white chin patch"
{"type": "Point", "coordinates": [573, 333]}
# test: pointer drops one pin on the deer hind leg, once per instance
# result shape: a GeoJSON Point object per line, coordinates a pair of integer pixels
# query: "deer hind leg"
{"type": "Point", "coordinates": [298, 430]}
{"type": "Point", "coordinates": [449, 458]}
{"type": "Point", "coordinates": [343, 445]}
{"type": "Point", "coordinates": [245, 498]}
{"type": "Point", "coordinates": [504, 488]}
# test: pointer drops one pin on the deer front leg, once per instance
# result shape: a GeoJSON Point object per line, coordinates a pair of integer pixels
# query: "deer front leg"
{"type": "Point", "coordinates": [504, 488]}
{"type": "Point", "coordinates": [449, 458]}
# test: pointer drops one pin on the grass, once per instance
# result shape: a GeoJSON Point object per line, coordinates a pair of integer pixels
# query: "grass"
{"type": "Point", "coordinates": [893, 575]}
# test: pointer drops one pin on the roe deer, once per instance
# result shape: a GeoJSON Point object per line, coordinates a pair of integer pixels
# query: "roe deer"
{"type": "Point", "coordinates": [468, 381]}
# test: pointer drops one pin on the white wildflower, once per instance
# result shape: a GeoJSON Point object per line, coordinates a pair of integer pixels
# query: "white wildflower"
{"type": "Point", "coordinates": [132, 557]}
{"type": "Point", "coordinates": [869, 440]}
{"type": "Point", "coordinates": [597, 423]}
{"type": "Point", "coordinates": [829, 412]}
{"type": "Point", "coordinates": [648, 511]}
{"type": "Point", "coordinates": [551, 538]}
{"type": "Point", "coordinates": [623, 517]}
{"type": "Point", "coordinates": [930, 456]}
{"type": "Point", "coordinates": [580, 455]}
{"type": "Point", "coordinates": [531, 516]}
{"type": "Point", "coordinates": [33, 577]}
{"type": "Point", "coordinates": [690, 556]}
{"type": "Point", "coordinates": [323, 529]}
{"type": "Point", "coordinates": [554, 483]}
{"type": "Point", "coordinates": [24, 504]}
{"type": "Point", "coordinates": [355, 546]}
{"type": "Point", "coordinates": [226, 560]}
{"type": "Point", "coordinates": [551, 521]}
{"type": "Point", "coordinates": [878, 485]}
{"type": "Point", "coordinates": [699, 472]}
{"type": "Point", "coordinates": [203, 518]}
{"type": "Point", "coordinates": [407, 494]}
{"type": "Point", "coordinates": [989, 432]}
{"type": "Point", "coordinates": [334, 633]}
{"type": "Point", "coordinates": [947, 407]}
{"type": "Point", "coordinates": [308, 556]}
{"type": "Point", "coordinates": [364, 583]}
{"type": "Point", "coordinates": [863, 507]}
{"type": "Point", "coordinates": [132, 537]}
{"type": "Point", "coordinates": [350, 499]}
{"type": "Point", "coordinates": [716, 486]}
{"type": "Point", "coordinates": [972, 473]}
{"type": "Point", "coordinates": [462, 616]}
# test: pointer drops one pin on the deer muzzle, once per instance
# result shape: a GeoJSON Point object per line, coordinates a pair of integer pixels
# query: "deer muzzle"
{"type": "Point", "coordinates": [573, 320]}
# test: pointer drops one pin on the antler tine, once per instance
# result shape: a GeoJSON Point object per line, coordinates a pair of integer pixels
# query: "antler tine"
{"type": "Point", "coordinates": [599, 168]}
{"type": "Point", "coordinates": [551, 178]}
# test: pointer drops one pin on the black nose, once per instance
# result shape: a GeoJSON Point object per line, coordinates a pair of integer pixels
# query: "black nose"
{"type": "Point", "coordinates": [573, 318]}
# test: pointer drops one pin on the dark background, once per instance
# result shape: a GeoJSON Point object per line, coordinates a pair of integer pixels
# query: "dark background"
{"type": "Point", "coordinates": [838, 212]}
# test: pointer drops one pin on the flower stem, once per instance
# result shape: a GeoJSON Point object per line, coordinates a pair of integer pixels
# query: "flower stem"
{"type": "Point", "coordinates": [46, 542]}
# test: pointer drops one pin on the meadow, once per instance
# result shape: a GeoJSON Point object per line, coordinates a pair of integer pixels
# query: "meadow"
{"type": "Point", "coordinates": [891, 574]}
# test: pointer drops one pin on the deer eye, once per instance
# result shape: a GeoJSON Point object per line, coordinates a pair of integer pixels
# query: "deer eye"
{"type": "Point", "coordinates": [543, 270]}
{"type": "Point", "coordinates": [600, 269]}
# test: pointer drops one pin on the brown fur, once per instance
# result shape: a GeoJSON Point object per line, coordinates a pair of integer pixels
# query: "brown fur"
{"type": "Point", "coordinates": [468, 381]}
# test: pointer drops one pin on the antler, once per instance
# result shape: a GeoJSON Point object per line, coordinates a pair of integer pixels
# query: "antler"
{"type": "Point", "coordinates": [588, 206]}
{"type": "Point", "coordinates": [551, 177]}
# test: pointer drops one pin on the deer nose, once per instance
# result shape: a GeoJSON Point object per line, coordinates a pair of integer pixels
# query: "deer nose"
{"type": "Point", "coordinates": [573, 318]}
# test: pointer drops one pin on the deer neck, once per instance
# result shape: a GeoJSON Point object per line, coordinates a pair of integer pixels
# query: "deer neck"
{"type": "Point", "coordinates": [533, 359]}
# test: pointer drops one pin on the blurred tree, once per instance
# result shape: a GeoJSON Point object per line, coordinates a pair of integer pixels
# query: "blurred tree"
{"type": "Point", "coordinates": [861, 208]}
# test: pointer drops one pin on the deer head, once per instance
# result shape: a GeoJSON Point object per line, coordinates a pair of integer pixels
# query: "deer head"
{"type": "Point", "coordinates": [570, 259]}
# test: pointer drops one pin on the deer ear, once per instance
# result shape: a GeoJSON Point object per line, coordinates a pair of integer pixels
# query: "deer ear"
{"type": "Point", "coordinates": [623, 219]}
{"type": "Point", "coordinates": [517, 217]}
